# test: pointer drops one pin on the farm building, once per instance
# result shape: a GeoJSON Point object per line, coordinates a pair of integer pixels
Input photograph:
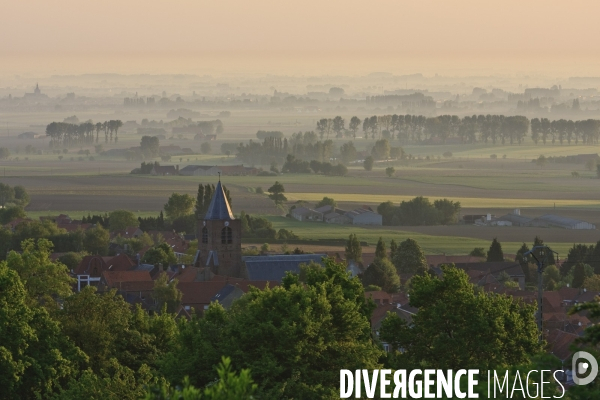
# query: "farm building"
{"type": "Point", "coordinates": [361, 216]}
{"type": "Point", "coordinates": [165, 170]}
{"type": "Point", "coordinates": [306, 214]}
{"type": "Point", "coordinates": [550, 220]}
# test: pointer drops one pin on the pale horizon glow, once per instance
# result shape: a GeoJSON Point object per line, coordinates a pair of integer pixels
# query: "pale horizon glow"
{"type": "Point", "coordinates": [457, 37]}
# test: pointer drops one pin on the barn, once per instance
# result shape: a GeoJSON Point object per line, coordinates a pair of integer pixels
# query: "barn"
{"type": "Point", "coordinates": [550, 220]}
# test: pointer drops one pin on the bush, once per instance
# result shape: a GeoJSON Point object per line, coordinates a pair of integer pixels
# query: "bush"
{"type": "Point", "coordinates": [493, 156]}
{"type": "Point", "coordinates": [447, 154]}
{"type": "Point", "coordinates": [259, 190]}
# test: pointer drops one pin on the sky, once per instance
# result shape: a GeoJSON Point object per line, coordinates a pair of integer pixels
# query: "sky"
{"type": "Point", "coordinates": [300, 37]}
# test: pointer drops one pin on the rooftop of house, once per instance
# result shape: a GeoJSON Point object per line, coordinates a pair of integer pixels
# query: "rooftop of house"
{"type": "Point", "coordinates": [273, 268]}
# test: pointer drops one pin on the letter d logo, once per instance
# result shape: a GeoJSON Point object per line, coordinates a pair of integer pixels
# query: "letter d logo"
{"type": "Point", "coordinates": [584, 367]}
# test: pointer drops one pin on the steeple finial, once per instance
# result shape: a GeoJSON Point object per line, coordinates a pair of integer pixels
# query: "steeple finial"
{"type": "Point", "coordinates": [219, 176]}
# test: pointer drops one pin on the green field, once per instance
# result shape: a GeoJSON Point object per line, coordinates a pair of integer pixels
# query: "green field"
{"type": "Point", "coordinates": [452, 245]}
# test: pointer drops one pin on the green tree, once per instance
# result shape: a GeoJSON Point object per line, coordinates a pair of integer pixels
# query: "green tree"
{"type": "Point", "coordinates": [354, 125]}
{"type": "Point", "coordinates": [390, 171]}
{"type": "Point", "coordinates": [447, 211]}
{"type": "Point", "coordinates": [327, 201]}
{"type": "Point", "coordinates": [380, 251]}
{"type": "Point", "coordinates": [478, 252]}
{"type": "Point", "coordinates": [119, 220]}
{"type": "Point", "coordinates": [150, 146]}
{"type": "Point", "coordinates": [43, 279]}
{"type": "Point", "coordinates": [353, 249]}
{"type": "Point", "coordinates": [205, 148]}
{"type": "Point", "coordinates": [71, 259]}
{"type": "Point", "coordinates": [229, 386]}
{"type": "Point", "coordinates": [481, 332]}
{"type": "Point", "coordinates": [495, 252]}
{"type": "Point", "coordinates": [393, 249]}
{"type": "Point", "coordinates": [381, 150]}
{"type": "Point", "coordinates": [10, 214]}
{"type": "Point", "coordinates": [21, 196]}
{"type": "Point", "coordinates": [179, 205]}
{"type": "Point", "coordinates": [368, 163]}
{"type": "Point", "coordinates": [160, 254]}
{"type": "Point", "coordinates": [4, 153]}
{"type": "Point", "coordinates": [166, 294]}
{"type": "Point", "coordinates": [382, 273]}
{"type": "Point", "coordinates": [277, 195]}
{"type": "Point", "coordinates": [95, 240]}
{"type": "Point", "coordinates": [578, 275]}
{"type": "Point", "coordinates": [348, 152]}
{"type": "Point", "coordinates": [410, 258]}
{"type": "Point", "coordinates": [7, 194]}
{"type": "Point", "coordinates": [35, 357]}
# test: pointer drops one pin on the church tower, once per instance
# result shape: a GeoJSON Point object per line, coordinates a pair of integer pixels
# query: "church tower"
{"type": "Point", "coordinates": [37, 89]}
{"type": "Point", "coordinates": [220, 237]}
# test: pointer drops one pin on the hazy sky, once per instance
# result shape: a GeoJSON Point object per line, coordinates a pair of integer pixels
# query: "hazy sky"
{"type": "Point", "coordinates": [308, 36]}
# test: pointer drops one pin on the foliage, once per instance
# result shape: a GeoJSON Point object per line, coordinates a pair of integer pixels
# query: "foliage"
{"type": "Point", "coordinates": [160, 254]}
{"type": "Point", "coordinates": [166, 294]}
{"type": "Point", "coordinates": [256, 227]}
{"type": "Point", "coordinates": [495, 252]}
{"type": "Point", "coordinates": [410, 258]}
{"type": "Point", "coordinates": [390, 171]}
{"type": "Point", "coordinates": [14, 196]}
{"type": "Point", "coordinates": [382, 273]}
{"type": "Point", "coordinates": [380, 251]}
{"type": "Point", "coordinates": [478, 252]}
{"type": "Point", "coordinates": [326, 201]}
{"type": "Point", "coordinates": [353, 249]}
{"type": "Point", "coordinates": [368, 163]}
{"type": "Point", "coordinates": [295, 166]}
{"type": "Point", "coordinates": [294, 337]}
{"type": "Point", "coordinates": [119, 220]}
{"type": "Point", "coordinates": [506, 332]}
{"type": "Point", "coordinates": [277, 191]}
{"type": "Point", "coordinates": [4, 153]}
{"type": "Point", "coordinates": [420, 211]}
{"type": "Point", "coordinates": [95, 241]}
{"type": "Point", "coordinates": [179, 205]}
{"type": "Point", "coordinates": [228, 386]}
{"type": "Point", "coordinates": [71, 259]}
{"type": "Point", "coordinates": [205, 148]}
{"type": "Point", "coordinates": [150, 146]}
{"type": "Point", "coordinates": [10, 214]}
{"type": "Point", "coordinates": [43, 279]}
{"type": "Point", "coordinates": [592, 283]}
{"type": "Point", "coordinates": [36, 357]}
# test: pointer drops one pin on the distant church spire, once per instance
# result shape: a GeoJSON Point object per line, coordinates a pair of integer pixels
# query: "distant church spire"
{"type": "Point", "coordinates": [37, 89]}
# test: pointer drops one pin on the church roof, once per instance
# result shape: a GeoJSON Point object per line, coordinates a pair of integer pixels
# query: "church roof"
{"type": "Point", "coordinates": [219, 206]}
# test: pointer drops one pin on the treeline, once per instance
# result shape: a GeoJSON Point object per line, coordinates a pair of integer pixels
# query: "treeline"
{"type": "Point", "coordinates": [71, 134]}
{"type": "Point", "coordinates": [297, 166]}
{"type": "Point", "coordinates": [420, 211]}
{"type": "Point", "coordinates": [262, 228]}
{"type": "Point", "coordinates": [469, 129]}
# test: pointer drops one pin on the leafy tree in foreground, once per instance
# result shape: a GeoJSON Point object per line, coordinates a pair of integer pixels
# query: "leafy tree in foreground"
{"type": "Point", "coordinates": [161, 254]}
{"type": "Point", "coordinates": [43, 279]}
{"type": "Point", "coordinates": [36, 359]}
{"type": "Point", "coordinates": [96, 241]}
{"type": "Point", "coordinates": [166, 294]}
{"type": "Point", "coordinates": [459, 327]}
{"type": "Point", "coordinates": [229, 386]}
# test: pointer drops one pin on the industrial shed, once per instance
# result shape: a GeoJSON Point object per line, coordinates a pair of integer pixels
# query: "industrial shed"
{"type": "Point", "coordinates": [361, 216]}
{"type": "Point", "coordinates": [550, 220]}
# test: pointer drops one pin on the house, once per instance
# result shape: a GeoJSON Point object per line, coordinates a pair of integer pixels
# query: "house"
{"type": "Point", "coordinates": [273, 268]}
{"type": "Point", "coordinates": [30, 135]}
{"type": "Point", "coordinates": [337, 217]}
{"type": "Point", "coordinates": [90, 269]}
{"type": "Point", "coordinates": [165, 170]}
{"type": "Point", "coordinates": [306, 214]}
{"type": "Point", "coordinates": [130, 232]}
{"type": "Point", "coordinates": [139, 281]}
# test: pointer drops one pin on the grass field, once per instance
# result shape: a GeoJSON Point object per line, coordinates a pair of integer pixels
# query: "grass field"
{"type": "Point", "coordinates": [431, 244]}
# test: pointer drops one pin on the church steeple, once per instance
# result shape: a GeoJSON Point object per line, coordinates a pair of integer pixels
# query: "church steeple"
{"type": "Point", "coordinates": [219, 208]}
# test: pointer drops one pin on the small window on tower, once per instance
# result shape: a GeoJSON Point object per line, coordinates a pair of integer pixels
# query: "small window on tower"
{"type": "Point", "coordinates": [226, 235]}
{"type": "Point", "coordinates": [204, 235]}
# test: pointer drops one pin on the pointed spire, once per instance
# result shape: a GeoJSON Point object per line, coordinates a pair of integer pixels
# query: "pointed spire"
{"type": "Point", "coordinates": [219, 206]}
